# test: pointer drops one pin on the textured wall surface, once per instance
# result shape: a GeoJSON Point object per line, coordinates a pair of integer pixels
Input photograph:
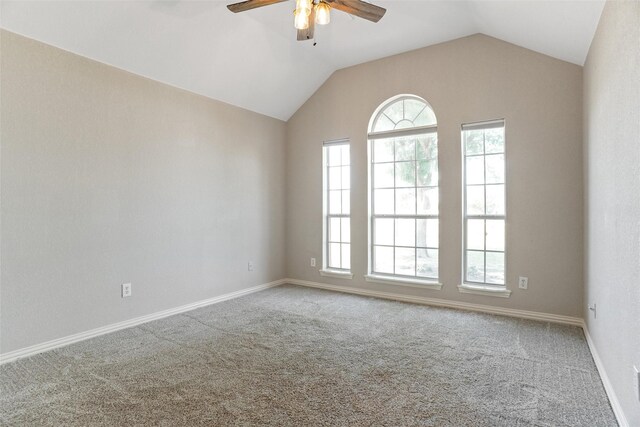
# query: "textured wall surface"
{"type": "Point", "coordinates": [612, 175]}
{"type": "Point", "coordinates": [467, 80]}
{"type": "Point", "coordinates": [109, 178]}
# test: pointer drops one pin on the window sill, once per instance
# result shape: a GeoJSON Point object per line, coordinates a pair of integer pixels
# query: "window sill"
{"type": "Point", "coordinates": [492, 291]}
{"type": "Point", "coordinates": [422, 284]}
{"type": "Point", "coordinates": [336, 274]}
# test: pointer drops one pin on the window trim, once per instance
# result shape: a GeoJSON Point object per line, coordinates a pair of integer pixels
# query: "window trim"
{"type": "Point", "coordinates": [398, 280]}
{"type": "Point", "coordinates": [327, 271]}
{"type": "Point", "coordinates": [386, 278]}
{"type": "Point", "coordinates": [335, 273]}
{"type": "Point", "coordinates": [418, 130]}
{"type": "Point", "coordinates": [483, 288]}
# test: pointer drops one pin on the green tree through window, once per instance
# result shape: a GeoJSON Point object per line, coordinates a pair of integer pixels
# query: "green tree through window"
{"type": "Point", "coordinates": [404, 194]}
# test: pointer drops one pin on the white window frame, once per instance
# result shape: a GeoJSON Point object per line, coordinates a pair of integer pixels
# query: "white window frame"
{"type": "Point", "coordinates": [467, 286]}
{"type": "Point", "coordinates": [326, 271]}
{"type": "Point", "coordinates": [386, 278]}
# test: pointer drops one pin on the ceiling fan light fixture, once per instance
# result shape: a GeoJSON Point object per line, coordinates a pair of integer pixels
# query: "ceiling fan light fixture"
{"type": "Point", "coordinates": [300, 19]}
{"type": "Point", "coordinates": [304, 5]}
{"type": "Point", "coordinates": [323, 13]}
{"type": "Point", "coordinates": [308, 13]}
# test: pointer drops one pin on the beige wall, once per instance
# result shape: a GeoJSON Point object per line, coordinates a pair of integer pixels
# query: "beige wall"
{"type": "Point", "coordinates": [108, 178]}
{"type": "Point", "coordinates": [612, 176]}
{"type": "Point", "coordinates": [466, 80]}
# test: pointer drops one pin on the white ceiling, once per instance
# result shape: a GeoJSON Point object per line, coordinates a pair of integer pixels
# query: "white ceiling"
{"type": "Point", "coordinates": [252, 59]}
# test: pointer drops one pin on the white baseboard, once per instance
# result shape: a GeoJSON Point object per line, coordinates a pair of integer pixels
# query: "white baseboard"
{"type": "Point", "coordinates": [611, 394]}
{"type": "Point", "coordinates": [533, 315]}
{"type": "Point", "coordinates": [555, 318]}
{"type": "Point", "coordinates": [60, 342]}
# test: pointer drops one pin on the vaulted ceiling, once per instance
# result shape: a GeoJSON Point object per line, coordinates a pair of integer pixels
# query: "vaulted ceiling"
{"type": "Point", "coordinates": [252, 59]}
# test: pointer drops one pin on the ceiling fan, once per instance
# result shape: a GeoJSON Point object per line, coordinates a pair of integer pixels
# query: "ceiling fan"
{"type": "Point", "coordinates": [311, 12]}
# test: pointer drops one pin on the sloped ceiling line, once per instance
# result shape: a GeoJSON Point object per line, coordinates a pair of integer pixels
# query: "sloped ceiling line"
{"type": "Point", "coordinates": [252, 60]}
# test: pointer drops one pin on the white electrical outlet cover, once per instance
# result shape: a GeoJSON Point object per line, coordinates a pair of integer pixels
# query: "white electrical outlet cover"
{"type": "Point", "coordinates": [313, 262]}
{"type": "Point", "coordinates": [637, 380]}
{"type": "Point", "coordinates": [523, 282]}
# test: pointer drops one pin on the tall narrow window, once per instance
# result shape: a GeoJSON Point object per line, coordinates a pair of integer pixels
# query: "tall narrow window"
{"type": "Point", "coordinates": [484, 203]}
{"type": "Point", "coordinates": [337, 210]}
{"type": "Point", "coordinates": [403, 192]}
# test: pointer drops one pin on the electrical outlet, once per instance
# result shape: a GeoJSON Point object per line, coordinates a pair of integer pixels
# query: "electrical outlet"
{"type": "Point", "coordinates": [523, 282]}
{"type": "Point", "coordinates": [249, 266]}
{"type": "Point", "coordinates": [313, 262]}
{"type": "Point", "coordinates": [636, 378]}
{"type": "Point", "coordinates": [126, 290]}
{"type": "Point", "coordinates": [592, 307]}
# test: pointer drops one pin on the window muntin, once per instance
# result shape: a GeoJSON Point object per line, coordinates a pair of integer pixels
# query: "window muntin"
{"type": "Point", "coordinates": [403, 113]}
{"type": "Point", "coordinates": [404, 195]}
{"type": "Point", "coordinates": [483, 146]}
{"type": "Point", "coordinates": [337, 206]}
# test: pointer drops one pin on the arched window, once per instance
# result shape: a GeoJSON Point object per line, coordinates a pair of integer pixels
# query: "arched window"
{"type": "Point", "coordinates": [403, 192]}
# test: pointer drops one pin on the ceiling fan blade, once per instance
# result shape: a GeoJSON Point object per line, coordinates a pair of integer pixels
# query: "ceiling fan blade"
{"type": "Point", "coordinates": [359, 8]}
{"type": "Point", "coordinates": [250, 4]}
{"type": "Point", "coordinates": [308, 33]}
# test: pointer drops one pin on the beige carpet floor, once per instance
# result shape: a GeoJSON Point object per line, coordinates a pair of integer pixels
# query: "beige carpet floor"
{"type": "Point", "coordinates": [296, 356]}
